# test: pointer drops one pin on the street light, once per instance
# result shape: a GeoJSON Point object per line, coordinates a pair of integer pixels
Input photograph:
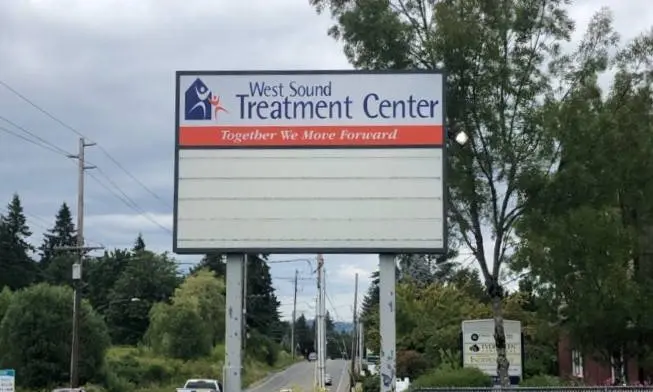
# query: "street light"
{"type": "Point", "coordinates": [461, 138]}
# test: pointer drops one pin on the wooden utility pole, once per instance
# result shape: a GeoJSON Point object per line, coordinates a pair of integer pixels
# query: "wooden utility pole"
{"type": "Point", "coordinates": [321, 346]}
{"type": "Point", "coordinates": [294, 319]}
{"type": "Point", "coordinates": [77, 266]}
{"type": "Point", "coordinates": [354, 344]}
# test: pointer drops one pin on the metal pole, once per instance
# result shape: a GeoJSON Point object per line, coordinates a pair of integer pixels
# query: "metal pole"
{"type": "Point", "coordinates": [387, 315]}
{"type": "Point", "coordinates": [360, 345]}
{"type": "Point", "coordinates": [233, 333]}
{"type": "Point", "coordinates": [320, 322]}
{"type": "Point", "coordinates": [354, 336]}
{"type": "Point", "coordinates": [323, 348]}
{"type": "Point", "coordinates": [294, 317]}
{"type": "Point", "coordinates": [317, 339]}
{"type": "Point", "coordinates": [244, 326]}
{"type": "Point", "coordinates": [77, 266]}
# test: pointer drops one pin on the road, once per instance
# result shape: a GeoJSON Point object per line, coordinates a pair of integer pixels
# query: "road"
{"type": "Point", "coordinates": [301, 377]}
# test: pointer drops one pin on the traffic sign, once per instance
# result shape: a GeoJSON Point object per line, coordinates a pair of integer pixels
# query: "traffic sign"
{"type": "Point", "coordinates": [7, 380]}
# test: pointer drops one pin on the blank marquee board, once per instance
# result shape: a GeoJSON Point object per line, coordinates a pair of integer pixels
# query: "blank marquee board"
{"type": "Point", "coordinates": [310, 161]}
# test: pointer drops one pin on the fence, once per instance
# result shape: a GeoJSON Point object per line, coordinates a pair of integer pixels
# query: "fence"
{"type": "Point", "coordinates": [544, 389]}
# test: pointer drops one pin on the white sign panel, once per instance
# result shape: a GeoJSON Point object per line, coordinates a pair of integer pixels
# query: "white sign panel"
{"type": "Point", "coordinates": [301, 162]}
{"type": "Point", "coordinates": [479, 349]}
{"type": "Point", "coordinates": [7, 380]}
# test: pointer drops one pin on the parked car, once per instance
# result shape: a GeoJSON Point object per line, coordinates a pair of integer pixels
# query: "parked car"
{"type": "Point", "coordinates": [201, 385]}
{"type": "Point", "coordinates": [68, 390]}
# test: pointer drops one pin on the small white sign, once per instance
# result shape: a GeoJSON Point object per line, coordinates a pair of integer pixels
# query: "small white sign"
{"type": "Point", "coordinates": [7, 380]}
{"type": "Point", "coordinates": [479, 348]}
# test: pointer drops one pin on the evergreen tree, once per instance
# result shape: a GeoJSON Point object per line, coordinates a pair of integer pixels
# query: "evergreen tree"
{"type": "Point", "coordinates": [62, 234]}
{"type": "Point", "coordinates": [56, 264]}
{"type": "Point", "coordinates": [304, 337]}
{"type": "Point", "coordinates": [214, 262]}
{"type": "Point", "coordinates": [262, 303]}
{"type": "Point", "coordinates": [18, 269]}
{"type": "Point", "coordinates": [139, 244]}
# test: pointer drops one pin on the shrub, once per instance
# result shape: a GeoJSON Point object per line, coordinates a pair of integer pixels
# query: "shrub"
{"type": "Point", "coordinates": [35, 336]}
{"type": "Point", "coordinates": [262, 348]}
{"type": "Point", "coordinates": [463, 377]}
{"type": "Point", "coordinates": [411, 364]}
{"type": "Point", "coordinates": [371, 383]}
{"type": "Point", "coordinates": [178, 331]}
{"type": "Point", "coordinates": [542, 380]}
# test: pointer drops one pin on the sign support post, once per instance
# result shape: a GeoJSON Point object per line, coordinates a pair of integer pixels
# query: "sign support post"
{"type": "Point", "coordinates": [233, 321]}
{"type": "Point", "coordinates": [387, 315]}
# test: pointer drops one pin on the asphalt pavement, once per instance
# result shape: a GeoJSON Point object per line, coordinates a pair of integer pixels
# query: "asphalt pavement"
{"type": "Point", "coordinates": [301, 377]}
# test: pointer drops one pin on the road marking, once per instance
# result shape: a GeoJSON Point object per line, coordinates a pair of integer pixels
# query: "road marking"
{"type": "Point", "coordinates": [274, 376]}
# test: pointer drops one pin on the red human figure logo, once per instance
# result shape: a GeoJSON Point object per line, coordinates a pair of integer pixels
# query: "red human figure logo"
{"type": "Point", "coordinates": [217, 107]}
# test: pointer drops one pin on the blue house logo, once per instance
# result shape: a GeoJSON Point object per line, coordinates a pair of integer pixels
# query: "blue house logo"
{"type": "Point", "coordinates": [198, 101]}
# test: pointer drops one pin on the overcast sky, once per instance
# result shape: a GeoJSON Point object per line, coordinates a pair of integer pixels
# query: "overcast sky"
{"type": "Point", "coordinates": [105, 68]}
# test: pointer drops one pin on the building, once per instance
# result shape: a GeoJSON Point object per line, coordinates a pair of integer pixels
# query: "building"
{"type": "Point", "coordinates": [589, 371]}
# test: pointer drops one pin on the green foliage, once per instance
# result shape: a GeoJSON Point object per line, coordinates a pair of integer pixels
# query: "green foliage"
{"type": "Point", "coordinates": [56, 264]}
{"type": "Point", "coordinates": [35, 336]}
{"type": "Point", "coordinates": [205, 293]}
{"type": "Point", "coordinates": [130, 288]}
{"type": "Point", "coordinates": [5, 299]}
{"type": "Point", "coordinates": [194, 322]}
{"type": "Point", "coordinates": [262, 348]}
{"type": "Point", "coordinates": [542, 380]}
{"type": "Point", "coordinates": [149, 277]}
{"type": "Point", "coordinates": [178, 331]}
{"type": "Point", "coordinates": [411, 364]}
{"type": "Point", "coordinates": [371, 383]}
{"type": "Point", "coordinates": [18, 269]}
{"type": "Point", "coordinates": [586, 229]}
{"type": "Point", "coordinates": [457, 378]}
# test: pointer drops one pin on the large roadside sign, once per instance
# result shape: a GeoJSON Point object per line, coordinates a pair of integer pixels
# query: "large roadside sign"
{"type": "Point", "coordinates": [310, 162]}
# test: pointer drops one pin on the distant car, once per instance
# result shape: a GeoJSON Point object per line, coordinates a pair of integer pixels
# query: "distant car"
{"type": "Point", "coordinates": [327, 379]}
{"type": "Point", "coordinates": [312, 357]}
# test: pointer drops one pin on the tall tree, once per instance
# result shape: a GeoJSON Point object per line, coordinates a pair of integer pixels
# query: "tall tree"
{"type": "Point", "coordinates": [139, 243]}
{"type": "Point", "coordinates": [495, 55]}
{"type": "Point", "coordinates": [214, 262]}
{"type": "Point", "coordinates": [56, 263]}
{"type": "Point", "coordinates": [18, 268]}
{"type": "Point", "coordinates": [101, 274]}
{"type": "Point", "coordinates": [304, 337]}
{"type": "Point", "coordinates": [262, 303]}
{"type": "Point", "coordinates": [63, 233]}
{"type": "Point", "coordinates": [147, 278]}
{"type": "Point", "coordinates": [601, 197]}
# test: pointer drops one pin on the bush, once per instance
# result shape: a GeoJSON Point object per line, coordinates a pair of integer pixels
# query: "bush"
{"type": "Point", "coordinates": [35, 336]}
{"type": "Point", "coordinates": [130, 368]}
{"type": "Point", "coordinates": [542, 380]}
{"type": "Point", "coordinates": [262, 348]}
{"type": "Point", "coordinates": [411, 364]}
{"type": "Point", "coordinates": [462, 377]}
{"type": "Point", "coordinates": [178, 331]}
{"type": "Point", "coordinates": [371, 383]}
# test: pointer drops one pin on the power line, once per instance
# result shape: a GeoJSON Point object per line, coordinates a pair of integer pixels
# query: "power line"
{"type": "Point", "coordinates": [34, 142]}
{"type": "Point", "coordinates": [80, 134]}
{"type": "Point", "coordinates": [115, 190]}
